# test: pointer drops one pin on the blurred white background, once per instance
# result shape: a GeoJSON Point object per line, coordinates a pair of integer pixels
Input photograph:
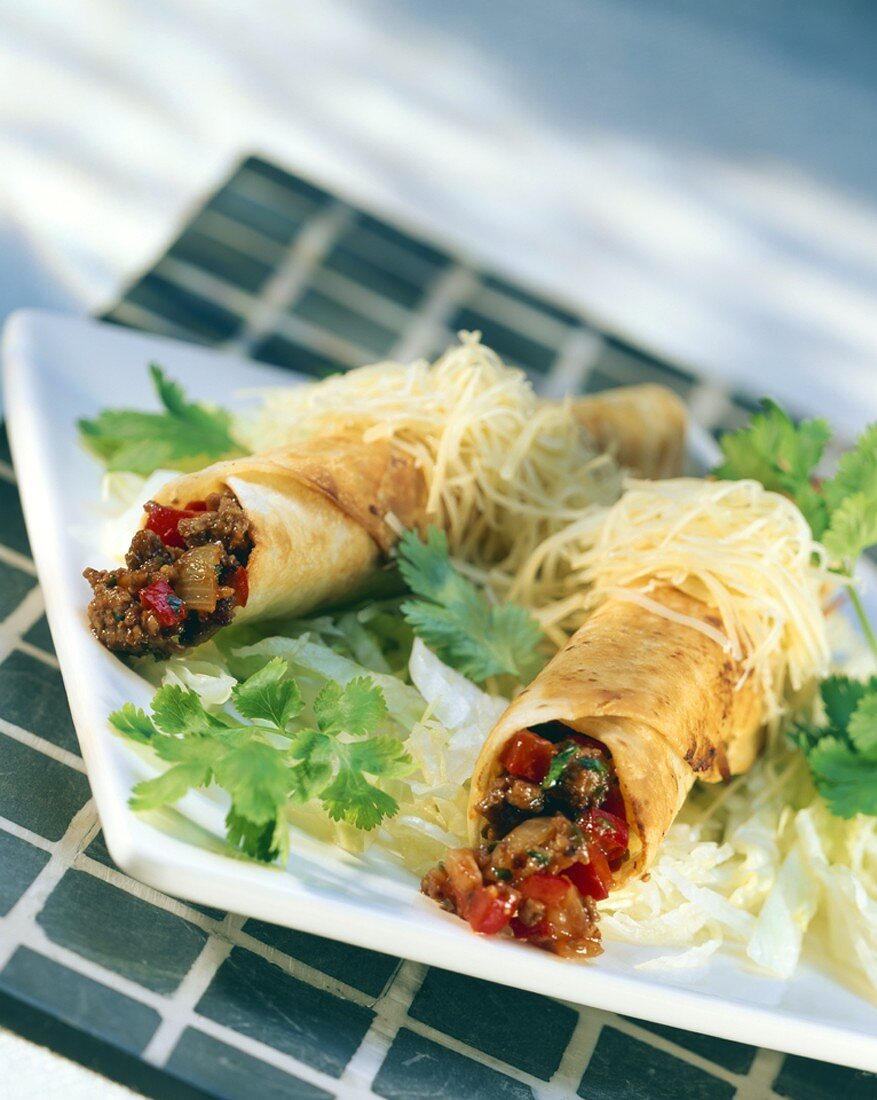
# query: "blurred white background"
{"type": "Point", "coordinates": [703, 176]}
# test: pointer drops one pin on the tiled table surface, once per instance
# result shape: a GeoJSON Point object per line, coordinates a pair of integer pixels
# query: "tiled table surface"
{"type": "Point", "coordinates": [176, 999]}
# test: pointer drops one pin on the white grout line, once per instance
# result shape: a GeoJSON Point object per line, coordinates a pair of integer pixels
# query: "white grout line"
{"type": "Point", "coordinates": [20, 620]}
{"type": "Point", "coordinates": [290, 279]}
{"type": "Point", "coordinates": [38, 654]}
{"type": "Point", "coordinates": [392, 1012]}
{"type": "Point", "coordinates": [756, 1085]}
{"type": "Point", "coordinates": [578, 1052]}
{"type": "Point", "coordinates": [181, 1004]}
{"type": "Point", "coordinates": [31, 837]}
{"type": "Point", "coordinates": [242, 238]}
{"type": "Point", "coordinates": [20, 918]}
{"type": "Point", "coordinates": [434, 315]}
{"type": "Point", "coordinates": [20, 561]}
{"type": "Point", "coordinates": [571, 367]}
{"type": "Point", "coordinates": [47, 748]}
{"type": "Point", "coordinates": [658, 1042]}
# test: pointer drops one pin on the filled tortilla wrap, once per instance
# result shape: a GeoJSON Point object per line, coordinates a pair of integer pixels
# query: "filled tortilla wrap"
{"type": "Point", "coordinates": [663, 697]}
{"type": "Point", "coordinates": [642, 427]}
{"type": "Point", "coordinates": [318, 516]}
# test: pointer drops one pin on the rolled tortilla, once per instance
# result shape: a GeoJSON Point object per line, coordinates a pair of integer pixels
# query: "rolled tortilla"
{"type": "Point", "coordinates": [664, 698]}
{"type": "Point", "coordinates": [642, 427]}
{"type": "Point", "coordinates": [318, 517]}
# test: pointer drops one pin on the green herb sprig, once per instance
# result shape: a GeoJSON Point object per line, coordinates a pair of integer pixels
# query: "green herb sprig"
{"type": "Point", "coordinates": [185, 436]}
{"type": "Point", "coordinates": [841, 511]}
{"type": "Point", "coordinates": [455, 619]}
{"type": "Point", "coordinates": [262, 763]}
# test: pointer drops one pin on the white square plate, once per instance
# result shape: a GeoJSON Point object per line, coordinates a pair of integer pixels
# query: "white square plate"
{"type": "Point", "coordinates": [58, 369]}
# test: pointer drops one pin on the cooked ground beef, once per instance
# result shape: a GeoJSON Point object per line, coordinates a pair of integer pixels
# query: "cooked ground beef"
{"type": "Point", "coordinates": [118, 615]}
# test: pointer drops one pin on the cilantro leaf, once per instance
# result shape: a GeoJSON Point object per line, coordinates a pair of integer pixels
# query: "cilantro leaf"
{"type": "Point", "coordinates": [351, 798]}
{"type": "Point", "coordinates": [846, 780]}
{"type": "Point", "coordinates": [265, 767]}
{"type": "Point", "coordinates": [556, 768]}
{"type": "Point", "coordinates": [357, 708]}
{"type": "Point", "coordinates": [269, 695]}
{"type": "Point", "coordinates": [781, 455]}
{"type": "Point", "coordinates": [856, 471]}
{"type": "Point", "coordinates": [853, 528]}
{"type": "Point", "coordinates": [842, 754]}
{"type": "Point", "coordinates": [456, 621]}
{"type": "Point", "coordinates": [185, 436]}
{"type": "Point", "coordinates": [133, 723]}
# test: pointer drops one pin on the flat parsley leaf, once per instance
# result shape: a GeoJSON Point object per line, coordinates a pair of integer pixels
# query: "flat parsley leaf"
{"type": "Point", "coordinates": [186, 436]}
{"type": "Point", "coordinates": [781, 455]}
{"type": "Point", "coordinates": [270, 695]}
{"type": "Point", "coordinates": [262, 764]}
{"type": "Point", "coordinates": [456, 620]}
{"type": "Point", "coordinates": [842, 754]}
{"type": "Point", "coordinates": [853, 528]}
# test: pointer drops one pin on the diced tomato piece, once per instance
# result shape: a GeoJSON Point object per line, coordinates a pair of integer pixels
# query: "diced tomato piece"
{"type": "Point", "coordinates": [613, 803]}
{"type": "Point", "coordinates": [240, 582]}
{"type": "Point", "coordinates": [165, 604]}
{"type": "Point", "coordinates": [523, 931]}
{"type": "Point", "coordinates": [549, 889]}
{"type": "Point", "coordinates": [592, 879]}
{"type": "Point", "coordinates": [528, 756]}
{"type": "Point", "coordinates": [610, 833]}
{"type": "Point", "coordinates": [487, 912]}
{"type": "Point", "coordinates": [165, 522]}
{"type": "Point", "coordinates": [196, 506]}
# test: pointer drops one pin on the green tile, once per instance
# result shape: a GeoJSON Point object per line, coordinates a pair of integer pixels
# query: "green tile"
{"type": "Point", "coordinates": [74, 999]}
{"type": "Point", "coordinates": [14, 586]}
{"type": "Point", "coordinates": [121, 932]}
{"type": "Point", "coordinates": [20, 863]}
{"type": "Point", "coordinates": [294, 184]}
{"type": "Point", "coordinates": [366, 970]}
{"type": "Point", "coordinates": [622, 1066]}
{"type": "Point", "coordinates": [527, 1031]}
{"type": "Point", "coordinates": [533, 301]}
{"type": "Point", "coordinates": [40, 635]}
{"type": "Point", "coordinates": [200, 316]}
{"type": "Point", "coordinates": [100, 853]}
{"type": "Point", "coordinates": [391, 256]}
{"type": "Point", "coordinates": [32, 696]}
{"type": "Point", "coordinates": [365, 271]}
{"type": "Point", "coordinates": [397, 238]}
{"type": "Point", "coordinates": [280, 225]}
{"type": "Point", "coordinates": [806, 1079]}
{"type": "Point", "coordinates": [257, 999]}
{"type": "Point", "coordinates": [221, 259]}
{"type": "Point", "coordinates": [37, 792]}
{"type": "Point", "coordinates": [514, 346]}
{"type": "Point", "coordinates": [12, 530]}
{"type": "Point", "coordinates": [326, 313]}
{"type": "Point", "coordinates": [5, 453]}
{"type": "Point", "coordinates": [733, 1056]}
{"type": "Point", "coordinates": [228, 1074]}
{"type": "Point", "coordinates": [416, 1067]}
{"type": "Point", "coordinates": [281, 352]}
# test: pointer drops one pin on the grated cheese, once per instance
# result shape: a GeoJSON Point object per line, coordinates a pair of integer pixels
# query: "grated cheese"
{"type": "Point", "coordinates": [747, 552]}
{"type": "Point", "coordinates": [505, 470]}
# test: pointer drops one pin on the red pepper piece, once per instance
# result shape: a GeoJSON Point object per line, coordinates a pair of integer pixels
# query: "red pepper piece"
{"type": "Point", "coordinates": [613, 803]}
{"type": "Point", "coordinates": [487, 912]}
{"type": "Point", "coordinates": [549, 889]}
{"type": "Point", "coordinates": [165, 522]}
{"type": "Point", "coordinates": [196, 506]}
{"type": "Point", "coordinates": [164, 603]}
{"type": "Point", "coordinates": [609, 832]}
{"type": "Point", "coordinates": [240, 582]}
{"type": "Point", "coordinates": [592, 879]}
{"type": "Point", "coordinates": [528, 756]}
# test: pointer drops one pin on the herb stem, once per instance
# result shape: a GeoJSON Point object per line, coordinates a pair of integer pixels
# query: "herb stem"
{"type": "Point", "coordinates": [859, 609]}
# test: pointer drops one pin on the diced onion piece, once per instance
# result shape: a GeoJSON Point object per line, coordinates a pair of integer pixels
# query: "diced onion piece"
{"type": "Point", "coordinates": [196, 582]}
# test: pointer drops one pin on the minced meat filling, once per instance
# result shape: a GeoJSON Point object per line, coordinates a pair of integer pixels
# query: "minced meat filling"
{"type": "Point", "coordinates": [555, 831]}
{"type": "Point", "coordinates": [137, 611]}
